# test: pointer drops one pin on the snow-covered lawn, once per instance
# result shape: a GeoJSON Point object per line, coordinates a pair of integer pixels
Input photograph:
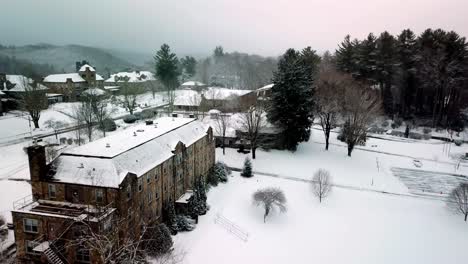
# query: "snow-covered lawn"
{"type": "Point", "coordinates": [11, 191]}
{"type": "Point", "coordinates": [350, 226]}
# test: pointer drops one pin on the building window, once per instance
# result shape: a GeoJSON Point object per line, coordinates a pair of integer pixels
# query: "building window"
{"type": "Point", "coordinates": [52, 191]}
{"type": "Point", "coordinates": [30, 245]}
{"type": "Point", "coordinates": [82, 255]}
{"type": "Point", "coordinates": [30, 225]}
{"type": "Point", "coordinates": [140, 184]}
{"type": "Point", "coordinates": [157, 195]}
{"type": "Point", "coordinates": [99, 196]}
{"type": "Point", "coordinates": [129, 192]}
{"type": "Point", "coordinates": [156, 176]}
{"type": "Point", "coordinates": [150, 197]}
{"type": "Point", "coordinates": [148, 178]}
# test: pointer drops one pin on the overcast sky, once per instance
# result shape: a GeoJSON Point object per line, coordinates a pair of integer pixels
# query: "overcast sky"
{"type": "Point", "coordinates": [266, 27]}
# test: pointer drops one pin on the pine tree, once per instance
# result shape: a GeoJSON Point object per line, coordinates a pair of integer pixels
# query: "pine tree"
{"type": "Point", "coordinates": [171, 218]}
{"type": "Point", "coordinates": [167, 70]}
{"type": "Point", "coordinates": [367, 52]}
{"type": "Point", "coordinates": [406, 78]}
{"type": "Point", "coordinates": [247, 169]}
{"type": "Point", "coordinates": [157, 240]}
{"type": "Point", "coordinates": [385, 68]}
{"type": "Point", "coordinates": [346, 55]}
{"type": "Point", "coordinates": [292, 102]}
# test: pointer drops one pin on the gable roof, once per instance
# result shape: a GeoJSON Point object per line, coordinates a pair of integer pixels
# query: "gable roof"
{"type": "Point", "coordinates": [219, 93]}
{"type": "Point", "coordinates": [106, 161]}
{"type": "Point", "coordinates": [83, 68]}
{"type": "Point", "coordinates": [62, 78]}
{"type": "Point", "coordinates": [20, 83]}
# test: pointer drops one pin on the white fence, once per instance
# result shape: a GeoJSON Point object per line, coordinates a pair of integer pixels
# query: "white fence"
{"type": "Point", "coordinates": [231, 227]}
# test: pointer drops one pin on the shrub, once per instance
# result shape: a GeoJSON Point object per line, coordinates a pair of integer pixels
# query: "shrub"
{"type": "Point", "coordinates": [385, 123]}
{"type": "Point", "coordinates": [398, 122]}
{"type": "Point", "coordinates": [247, 169]}
{"type": "Point", "coordinates": [130, 119]}
{"type": "Point", "coordinates": [218, 173]}
{"type": "Point", "coordinates": [458, 142]}
{"type": "Point", "coordinates": [109, 125]}
{"type": "Point", "coordinates": [427, 130]}
{"type": "Point", "coordinates": [184, 223]}
{"type": "Point", "coordinates": [415, 135]}
{"type": "Point", "coordinates": [394, 126]}
{"type": "Point", "coordinates": [427, 136]}
{"type": "Point", "coordinates": [157, 240]}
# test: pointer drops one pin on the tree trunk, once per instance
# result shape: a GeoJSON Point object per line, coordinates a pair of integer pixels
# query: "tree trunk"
{"type": "Point", "coordinates": [253, 152]}
{"type": "Point", "coordinates": [350, 149]}
{"type": "Point", "coordinates": [224, 146]}
{"type": "Point", "coordinates": [466, 216]}
{"type": "Point", "coordinates": [327, 138]}
{"type": "Point", "coordinates": [36, 122]}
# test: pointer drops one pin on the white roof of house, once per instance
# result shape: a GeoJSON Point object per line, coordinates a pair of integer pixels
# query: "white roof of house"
{"type": "Point", "coordinates": [138, 149]}
{"type": "Point", "coordinates": [99, 77]}
{"type": "Point", "coordinates": [223, 93]}
{"type": "Point", "coordinates": [266, 87]}
{"type": "Point", "coordinates": [187, 98]}
{"type": "Point", "coordinates": [193, 83]}
{"type": "Point", "coordinates": [111, 88]}
{"type": "Point", "coordinates": [83, 68]}
{"type": "Point", "coordinates": [94, 91]}
{"type": "Point", "coordinates": [62, 78]}
{"type": "Point", "coordinates": [20, 82]}
{"type": "Point", "coordinates": [141, 76]}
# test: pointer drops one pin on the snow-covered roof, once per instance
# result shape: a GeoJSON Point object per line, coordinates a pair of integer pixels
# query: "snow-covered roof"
{"type": "Point", "coordinates": [214, 111]}
{"type": "Point", "coordinates": [83, 68]}
{"type": "Point", "coordinates": [132, 77]}
{"type": "Point", "coordinates": [185, 197]}
{"type": "Point", "coordinates": [193, 83]}
{"type": "Point", "coordinates": [2, 93]}
{"type": "Point", "coordinates": [106, 161]}
{"type": "Point", "coordinates": [112, 88]}
{"type": "Point", "coordinates": [218, 93]}
{"type": "Point", "coordinates": [20, 82]}
{"type": "Point", "coordinates": [266, 87]}
{"type": "Point", "coordinates": [62, 78]}
{"type": "Point", "coordinates": [53, 94]}
{"type": "Point", "coordinates": [187, 98]}
{"type": "Point", "coordinates": [99, 77]}
{"type": "Point", "coordinates": [94, 91]}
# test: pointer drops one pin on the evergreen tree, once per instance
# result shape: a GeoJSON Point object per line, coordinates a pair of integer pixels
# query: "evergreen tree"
{"type": "Point", "coordinates": [385, 71]}
{"type": "Point", "coordinates": [247, 169]}
{"type": "Point", "coordinates": [188, 64]}
{"type": "Point", "coordinates": [311, 59]}
{"type": "Point", "coordinates": [167, 70]}
{"type": "Point", "coordinates": [346, 55]}
{"type": "Point", "coordinates": [367, 58]}
{"type": "Point", "coordinates": [292, 102]}
{"type": "Point", "coordinates": [171, 218]}
{"type": "Point", "coordinates": [406, 78]}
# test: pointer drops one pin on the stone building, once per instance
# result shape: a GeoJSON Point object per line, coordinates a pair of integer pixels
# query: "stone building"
{"type": "Point", "coordinates": [70, 85]}
{"type": "Point", "coordinates": [130, 176]}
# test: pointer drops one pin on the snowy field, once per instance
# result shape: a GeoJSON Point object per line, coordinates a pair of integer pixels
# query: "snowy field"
{"type": "Point", "coordinates": [350, 226]}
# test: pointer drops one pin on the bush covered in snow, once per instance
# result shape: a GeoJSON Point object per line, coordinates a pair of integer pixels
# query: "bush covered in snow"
{"type": "Point", "coordinates": [157, 240]}
{"type": "Point", "coordinates": [269, 199]}
{"type": "Point", "coordinates": [247, 169]}
{"type": "Point", "coordinates": [109, 125]}
{"type": "Point", "coordinates": [129, 119]}
{"type": "Point", "coordinates": [458, 142]}
{"type": "Point", "coordinates": [184, 223]}
{"type": "Point", "coordinates": [218, 173]}
{"type": "Point", "coordinates": [427, 130]}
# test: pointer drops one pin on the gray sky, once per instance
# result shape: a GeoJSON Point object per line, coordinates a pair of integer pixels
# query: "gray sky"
{"type": "Point", "coordinates": [266, 27]}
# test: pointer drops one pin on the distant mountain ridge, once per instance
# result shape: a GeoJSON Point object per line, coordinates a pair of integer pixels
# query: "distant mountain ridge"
{"type": "Point", "coordinates": [63, 58]}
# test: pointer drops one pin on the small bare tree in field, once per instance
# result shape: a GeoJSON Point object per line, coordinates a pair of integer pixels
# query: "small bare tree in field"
{"type": "Point", "coordinates": [458, 199]}
{"type": "Point", "coordinates": [33, 99]}
{"type": "Point", "coordinates": [222, 124]}
{"type": "Point", "coordinates": [330, 89]}
{"type": "Point", "coordinates": [321, 184]}
{"type": "Point", "coordinates": [252, 122]}
{"type": "Point", "coordinates": [361, 105]}
{"type": "Point", "coordinates": [269, 199]}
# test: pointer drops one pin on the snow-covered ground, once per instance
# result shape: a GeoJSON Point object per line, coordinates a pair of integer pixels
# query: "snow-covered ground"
{"type": "Point", "coordinates": [350, 226]}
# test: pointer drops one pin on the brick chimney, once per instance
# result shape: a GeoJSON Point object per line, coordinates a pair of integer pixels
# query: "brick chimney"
{"type": "Point", "coordinates": [37, 162]}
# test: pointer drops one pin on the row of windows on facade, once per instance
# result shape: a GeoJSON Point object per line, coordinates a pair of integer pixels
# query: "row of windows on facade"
{"type": "Point", "coordinates": [98, 193]}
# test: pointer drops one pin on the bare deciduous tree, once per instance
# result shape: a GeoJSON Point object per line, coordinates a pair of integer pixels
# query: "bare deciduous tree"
{"type": "Point", "coordinates": [33, 99]}
{"type": "Point", "coordinates": [270, 198]}
{"type": "Point", "coordinates": [129, 96]}
{"type": "Point", "coordinates": [321, 184]}
{"type": "Point", "coordinates": [99, 104]}
{"type": "Point", "coordinates": [361, 105]}
{"type": "Point", "coordinates": [222, 124]}
{"type": "Point", "coordinates": [329, 95]}
{"type": "Point", "coordinates": [252, 122]}
{"type": "Point", "coordinates": [458, 199]}
{"type": "Point", "coordinates": [85, 114]}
